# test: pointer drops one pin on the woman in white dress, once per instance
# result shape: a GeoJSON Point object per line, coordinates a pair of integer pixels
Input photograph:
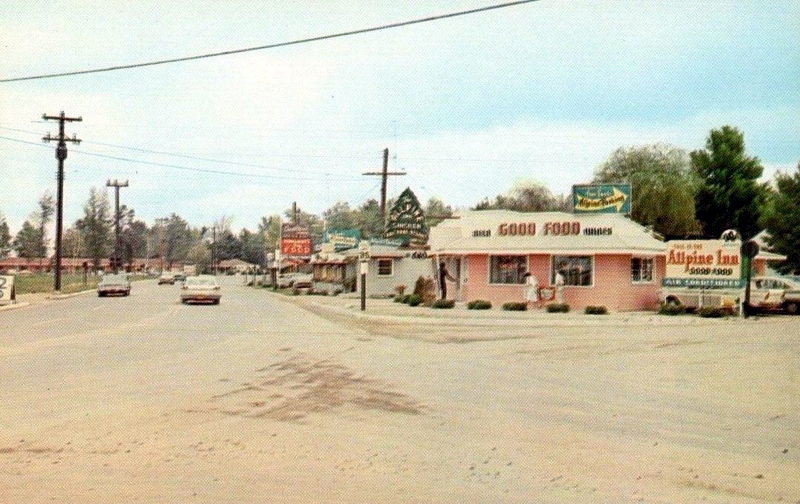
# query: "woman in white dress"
{"type": "Point", "coordinates": [531, 289]}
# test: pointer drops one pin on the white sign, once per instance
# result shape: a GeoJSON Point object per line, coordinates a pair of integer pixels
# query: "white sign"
{"type": "Point", "coordinates": [703, 263]}
{"type": "Point", "coordinates": [6, 290]}
{"type": "Point", "coordinates": [363, 251]}
{"type": "Point", "coordinates": [364, 267]}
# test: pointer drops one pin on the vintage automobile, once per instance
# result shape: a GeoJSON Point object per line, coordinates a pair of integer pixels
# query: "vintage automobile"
{"type": "Point", "coordinates": [114, 285]}
{"type": "Point", "coordinates": [166, 278]}
{"type": "Point", "coordinates": [775, 293]}
{"type": "Point", "coordinates": [201, 289]}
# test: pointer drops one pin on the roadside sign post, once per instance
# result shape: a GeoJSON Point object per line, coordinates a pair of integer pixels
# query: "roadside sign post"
{"type": "Point", "coordinates": [749, 250]}
{"type": "Point", "coordinates": [363, 255]}
{"type": "Point", "coordinates": [275, 268]}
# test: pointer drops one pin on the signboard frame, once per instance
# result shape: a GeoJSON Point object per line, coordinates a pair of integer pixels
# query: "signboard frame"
{"type": "Point", "coordinates": [7, 289]}
{"type": "Point", "coordinates": [602, 198]}
{"type": "Point", "coordinates": [703, 264]}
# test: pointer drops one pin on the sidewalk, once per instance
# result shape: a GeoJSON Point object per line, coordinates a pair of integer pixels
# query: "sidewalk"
{"type": "Point", "coordinates": [37, 298]}
{"type": "Point", "coordinates": [387, 311]}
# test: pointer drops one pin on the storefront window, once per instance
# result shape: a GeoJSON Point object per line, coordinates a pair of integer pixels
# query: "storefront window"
{"type": "Point", "coordinates": [641, 269]}
{"type": "Point", "coordinates": [577, 270]}
{"type": "Point", "coordinates": [507, 269]}
{"type": "Point", "coordinates": [384, 267]}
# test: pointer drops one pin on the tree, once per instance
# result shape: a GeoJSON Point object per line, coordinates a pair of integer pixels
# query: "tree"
{"type": "Point", "coordinates": [729, 196]}
{"type": "Point", "coordinates": [310, 221]}
{"type": "Point", "coordinates": [133, 235]}
{"type": "Point", "coordinates": [177, 239]}
{"type": "Point", "coordinates": [663, 186]}
{"type": "Point", "coordinates": [524, 196]}
{"type": "Point", "coordinates": [782, 220]}
{"type": "Point", "coordinates": [26, 242]}
{"type": "Point", "coordinates": [270, 228]}
{"type": "Point", "coordinates": [367, 218]}
{"type": "Point", "coordinates": [5, 238]}
{"type": "Point", "coordinates": [339, 216]}
{"type": "Point", "coordinates": [95, 226]}
{"type": "Point", "coordinates": [436, 211]}
{"type": "Point", "coordinates": [42, 218]}
{"type": "Point", "coordinates": [200, 256]}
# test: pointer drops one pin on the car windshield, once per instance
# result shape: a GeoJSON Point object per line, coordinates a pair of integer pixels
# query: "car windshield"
{"type": "Point", "coordinates": [114, 278]}
{"type": "Point", "coordinates": [201, 281]}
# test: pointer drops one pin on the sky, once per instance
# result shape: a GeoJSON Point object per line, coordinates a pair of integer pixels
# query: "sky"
{"type": "Point", "coordinates": [467, 106]}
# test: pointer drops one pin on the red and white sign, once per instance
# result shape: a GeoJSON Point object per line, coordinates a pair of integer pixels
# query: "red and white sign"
{"type": "Point", "coordinates": [295, 241]}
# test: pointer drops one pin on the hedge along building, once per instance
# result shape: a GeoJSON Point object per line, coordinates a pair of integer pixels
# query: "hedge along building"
{"type": "Point", "coordinates": [606, 259]}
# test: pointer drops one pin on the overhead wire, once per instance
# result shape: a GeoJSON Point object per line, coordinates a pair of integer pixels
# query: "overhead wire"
{"type": "Point", "coordinates": [178, 167]}
{"type": "Point", "coordinates": [276, 45]}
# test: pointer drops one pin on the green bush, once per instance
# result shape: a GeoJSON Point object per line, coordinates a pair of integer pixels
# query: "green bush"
{"type": "Point", "coordinates": [712, 312]}
{"type": "Point", "coordinates": [406, 298]}
{"type": "Point", "coordinates": [479, 304]}
{"type": "Point", "coordinates": [414, 300]}
{"type": "Point", "coordinates": [671, 309]}
{"type": "Point", "coordinates": [515, 306]}
{"type": "Point", "coordinates": [443, 303]}
{"type": "Point", "coordinates": [595, 310]}
{"type": "Point", "coordinates": [557, 308]}
{"type": "Point", "coordinates": [399, 298]}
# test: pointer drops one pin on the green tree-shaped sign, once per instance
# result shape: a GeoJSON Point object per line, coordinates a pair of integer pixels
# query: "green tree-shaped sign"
{"type": "Point", "coordinates": [407, 221]}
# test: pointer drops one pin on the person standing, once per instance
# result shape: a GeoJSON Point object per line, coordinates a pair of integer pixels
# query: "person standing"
{"type": "Point", "coordinates": [559, 287]}
{"type": "Point", "coordinates": [531, 289]}
{"type": "Point", "coordinates": [444, 276]}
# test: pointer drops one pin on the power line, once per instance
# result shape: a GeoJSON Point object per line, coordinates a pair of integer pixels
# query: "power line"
{"type": "Point", "coordinates": [273, 46]}
{"type": "Point", "coordinates": [179, 167]}
{"type": "Point", "coordinates": [198, 158]}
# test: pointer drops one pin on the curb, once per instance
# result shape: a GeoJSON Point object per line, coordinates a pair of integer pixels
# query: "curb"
{"type": "Point", "coordinates": [14, 306]}
{"type": "Point", "coordinates": [531, 321]}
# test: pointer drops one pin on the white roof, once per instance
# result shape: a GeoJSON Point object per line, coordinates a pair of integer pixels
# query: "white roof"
{"type": "Point", "coordinates": [457, 236]}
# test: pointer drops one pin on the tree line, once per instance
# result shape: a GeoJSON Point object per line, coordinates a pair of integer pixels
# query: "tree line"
{"type": "Point", "coordinates": [678, 194]}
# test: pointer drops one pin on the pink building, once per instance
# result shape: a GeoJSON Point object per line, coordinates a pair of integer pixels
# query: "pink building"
{"type": "Point", "coordinates": [605, 259]}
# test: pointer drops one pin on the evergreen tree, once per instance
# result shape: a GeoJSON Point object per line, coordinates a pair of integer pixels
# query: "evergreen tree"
{"type": "Point", "coordinates": [95, 227]}
{"type": "Point", "coordinates": [729, 196]}
{"type": "Point", "coordinates": [5, 238]}
{"type": "Point", "coordinates": [26, 242]}
{"type": "Point", "coordinates": [782, 220]}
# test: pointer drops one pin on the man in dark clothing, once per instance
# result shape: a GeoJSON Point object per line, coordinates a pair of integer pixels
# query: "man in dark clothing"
{"type": "Point", "coordinates": [444, 275]}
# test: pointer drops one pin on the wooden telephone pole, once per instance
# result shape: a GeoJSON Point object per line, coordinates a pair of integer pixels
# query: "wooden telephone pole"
{"type": "Point", "coordinates": [116, 184]}
{"type": "Point", "coordinates": [61, 155]}
{"type": "Point", "coordinates": [384, 174]}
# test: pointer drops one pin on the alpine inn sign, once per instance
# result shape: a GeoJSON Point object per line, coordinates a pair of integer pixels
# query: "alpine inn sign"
{"type": "Point", "coordinates": [602, 198]}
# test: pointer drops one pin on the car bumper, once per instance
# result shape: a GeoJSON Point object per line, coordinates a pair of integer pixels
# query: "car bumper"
{"type": "Point", "coordinates": [200, 297]}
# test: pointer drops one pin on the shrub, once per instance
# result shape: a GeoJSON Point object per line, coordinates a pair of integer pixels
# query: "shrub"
{"type": "Point", "coordinates": [479, 304]}
{"type": "Point", "coordinates": [671, 309]}
{"type": "Point", "coordinates": [557, 308]}
{"type": "Point", "coordinates": [399, 298]}
{"type": "Point", "coordinates": [295, 291]}
{"type": "Point", "coordinates": [515, 306]}
{"type": "Point", "coordinates": [406, 298]}
{"type": "Point", "coordinates": [712, 312]}
{"type": "Point", "coordinates": [413, 300]}
{"type": "Point", "coordinates": [595, 310]}
{"type": "Point", "coordinates": [443, 303]}
{"type": "Point", "coordinates": [425, 288]}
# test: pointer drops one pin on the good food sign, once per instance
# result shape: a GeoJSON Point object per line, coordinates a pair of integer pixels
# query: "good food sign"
{"type": "Point", "coordinates": [295, 241]}
{"type": "Point", "coordinates": [703, 263]}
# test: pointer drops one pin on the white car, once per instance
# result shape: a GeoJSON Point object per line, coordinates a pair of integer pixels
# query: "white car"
{"type": "Point", "coordinates": [201, 289]}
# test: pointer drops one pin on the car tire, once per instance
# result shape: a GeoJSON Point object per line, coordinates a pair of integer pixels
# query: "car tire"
{"type": "Point", "coordinates": [792, 308]}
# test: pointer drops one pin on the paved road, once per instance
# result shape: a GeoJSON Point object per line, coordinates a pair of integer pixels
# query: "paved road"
{"type": "Point", "coordinates": [257, 400]}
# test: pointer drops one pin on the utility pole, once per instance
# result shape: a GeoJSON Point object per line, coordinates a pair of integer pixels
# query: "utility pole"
{"type": "Point", "coordinates": [294, 213]}
{"type": "Point", "coordinates": [116, 184]}
{"type": "Point", "coordinates": [214, 248]}
{"type": "Point", "coordinates": [61, 155]}
{"type": "Point", "coordinates": [384, 174]}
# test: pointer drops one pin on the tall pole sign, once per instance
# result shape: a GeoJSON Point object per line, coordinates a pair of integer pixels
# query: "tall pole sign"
{"type": "Point", "coordinates": [61, 155]}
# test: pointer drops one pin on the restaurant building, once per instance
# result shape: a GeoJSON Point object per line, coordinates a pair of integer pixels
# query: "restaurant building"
{"type": "Point", "coordinates": [605, 259]}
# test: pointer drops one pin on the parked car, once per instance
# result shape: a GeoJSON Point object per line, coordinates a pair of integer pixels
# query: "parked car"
{"type": "Point", "coordinates": [201, 288]}
{"type": "Point", "coordinates": [114, 285]}
{"type": "Point", "coordinates": [166, 278]}
{"type": "Point", "coordinates": [775, 293]}
{"type": "Point", "coordinates": [286, 280]}
{"type": "Point", "coordinates": [303, 281]}
{"type": "Point", "coordinates": [180, 277]}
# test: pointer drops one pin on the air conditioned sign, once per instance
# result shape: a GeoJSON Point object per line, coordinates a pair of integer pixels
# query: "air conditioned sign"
{"type": "Point", "coordinates": [703, 263]}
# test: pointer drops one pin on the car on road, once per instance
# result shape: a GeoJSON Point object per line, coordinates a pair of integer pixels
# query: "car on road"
{"type": "Point", "coordinates": [166, 278]}
{"type": "Point", "coordinates": [180, 277]}
{"type": "Point", "coordinates": [775, 293]}
{"type": "Point", "coordinates": [201, 289]}
{"type": "Point", "coordinates": [303, 281]}
{"type": "Point", "coordinates": [112, 284]}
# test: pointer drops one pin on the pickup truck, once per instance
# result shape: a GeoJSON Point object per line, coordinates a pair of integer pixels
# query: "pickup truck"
{"type": "Point", "coordinates": [766, 294]}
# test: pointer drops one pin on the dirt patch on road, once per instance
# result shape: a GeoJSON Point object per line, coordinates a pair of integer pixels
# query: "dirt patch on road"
{"type": "Point", "coordinates": [294, 388]}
